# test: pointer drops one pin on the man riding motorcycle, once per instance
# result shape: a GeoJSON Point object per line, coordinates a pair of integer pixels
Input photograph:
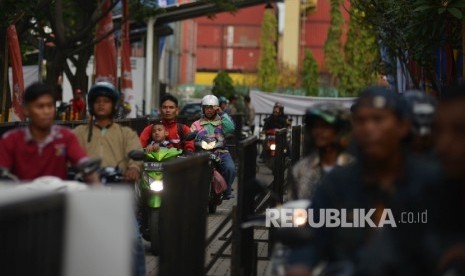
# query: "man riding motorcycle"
{"type": "Point", "coordinates": [328, 127]}
{"type": "Point", "coordinates": [212, 128]}
{"type": "Point", "coordinates": [176, 131]}
{"type": "Point", "coordinates": [41, 148]}
{"type": "Point", "coordinates": [106, 139]}
{"type": "Point", "coordinates": [112, 143]}
{"type": "Point", "coordinates": [277, 119]}
{"type": "Point", "coordinates": [383, 181]}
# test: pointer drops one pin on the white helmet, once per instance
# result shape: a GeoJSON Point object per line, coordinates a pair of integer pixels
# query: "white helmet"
{"type": "Point", "coordinates": [210, 100]}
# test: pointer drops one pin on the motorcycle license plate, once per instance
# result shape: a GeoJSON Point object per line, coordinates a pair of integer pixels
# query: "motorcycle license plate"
{"type": "Point", "coordinates": [153, 166]}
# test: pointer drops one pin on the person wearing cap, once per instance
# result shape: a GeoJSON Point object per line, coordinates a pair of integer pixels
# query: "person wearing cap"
{"type": "Point", "coordinates": [328, 127]}
{"type": "Point", "coordinates": [212, 127]}
{"type": "Point", "coordinates": [423, 108]}
{"type": "Point", "coordinates": [103, 138]}
{"type": "Point", "coordinates": [78, 105]}
{"type": "Point", "coordinates": [41, 148]}
{"type": "Point", "coordinates": [384, 180]}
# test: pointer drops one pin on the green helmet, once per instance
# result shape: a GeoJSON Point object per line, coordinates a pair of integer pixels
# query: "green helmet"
{"type": "Point", "coordinates": [102, 89]}
{"type": "Point", "coordinates": [332, 113]}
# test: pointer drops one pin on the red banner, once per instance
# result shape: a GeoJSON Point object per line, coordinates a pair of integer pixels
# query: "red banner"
{"type": "Point", "coordinates": [126, 75]}
{"type": "Point", "coordinates": [105, 50]}
{"type": "Point", "coordinates": [17, 72]}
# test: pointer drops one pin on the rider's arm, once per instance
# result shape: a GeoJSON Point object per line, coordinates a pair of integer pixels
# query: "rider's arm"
{"type": "Point", "coordinates": [228, 124]}
{"type": "Point", "coordinates": [188, 145]}
{"type": "Point", "coordinates": [145, 136]}
{"type": "Point", "coordinates": [132, 143]}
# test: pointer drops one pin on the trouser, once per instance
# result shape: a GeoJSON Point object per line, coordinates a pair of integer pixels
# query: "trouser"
{"type": "Point", "coordinates": [228, 170]}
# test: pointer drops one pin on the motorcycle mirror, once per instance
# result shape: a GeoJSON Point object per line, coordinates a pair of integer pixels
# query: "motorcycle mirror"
{"type": "Point", "coordinates": [138, 155]}
{"type": "Point", "coordinates": [191, 136]}
{"type": "Point", "coordinates": [89, 166]}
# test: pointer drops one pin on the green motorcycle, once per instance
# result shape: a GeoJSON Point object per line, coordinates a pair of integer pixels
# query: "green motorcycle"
{"type": "Point", "coordinates": [149, 189]}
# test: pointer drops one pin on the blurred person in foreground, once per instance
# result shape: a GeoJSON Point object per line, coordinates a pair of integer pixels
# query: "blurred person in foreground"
{"type": "Point", "coordinates": [41, 148]}
{"type": "Point", "coordinates": [383, 182]}
{"type": "Point", "coordinates": [423, 108]}
{"type": "Point", "coordinates": [448, 198]}
{"type": "Point", "coordinates": [328, 126]}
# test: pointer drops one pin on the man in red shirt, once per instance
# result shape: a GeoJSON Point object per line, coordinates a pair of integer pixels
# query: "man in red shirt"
{"type": "Point", "coordinates": [42, 148]}
{"type": "Point", "coordinates": [78, 106]}
{"type": "Point", "coordinates": [169, 110]}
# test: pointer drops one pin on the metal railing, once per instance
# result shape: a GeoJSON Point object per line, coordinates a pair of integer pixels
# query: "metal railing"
{"type": "Point", "coordinates": [183, 216]}
{"type": "Point", "coordinates": [32, 234]}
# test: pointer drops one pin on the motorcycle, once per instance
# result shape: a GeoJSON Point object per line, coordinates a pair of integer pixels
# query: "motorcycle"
{"type": "Point", "coordinates": [149, 189]}
{"type": "Point", "coordinates": [269, 151]}
{"type": "Point", "coordinates": [217, 183]}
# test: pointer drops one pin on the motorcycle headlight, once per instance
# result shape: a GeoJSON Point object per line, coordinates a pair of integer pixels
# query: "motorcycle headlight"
{"type": "Point", "coordinates": [299, 217]}
{"type": "Point", "coordinates": [273, 147]}
{"type": "Point", "coordinates": [156, 186]}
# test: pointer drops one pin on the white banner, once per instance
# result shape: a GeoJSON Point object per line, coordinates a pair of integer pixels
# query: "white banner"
{"type": "Point", "coordinates": [293, 105]}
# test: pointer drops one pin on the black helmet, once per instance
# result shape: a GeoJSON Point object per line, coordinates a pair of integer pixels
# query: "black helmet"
{"type": "Point", "coordinates": [280, 106]}
{"type": "Point", "coordinates": [332, 113]}
{"type": "Point", "coordinates": [102, 89]}
{"type": "Point", "coordinates": [422, 108]}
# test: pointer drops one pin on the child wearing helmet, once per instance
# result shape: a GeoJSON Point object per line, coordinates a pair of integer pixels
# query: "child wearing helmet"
{"type": "Point", "coordinates": [103, 138]}
{"type": "Point", "coordinates": [327, 125]}
{"type": "Point", "coordinates": [212, 127]}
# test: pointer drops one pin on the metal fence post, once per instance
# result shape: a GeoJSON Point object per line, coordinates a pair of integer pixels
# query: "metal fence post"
{"type": "Point", "coordinates": [296, 144]}
{"type": "Point", "coordinates": [280, 163]}
{"type": "Point", "coordinates": [184, 208]}
{"type": "Point", "coordinates": [243, 261]}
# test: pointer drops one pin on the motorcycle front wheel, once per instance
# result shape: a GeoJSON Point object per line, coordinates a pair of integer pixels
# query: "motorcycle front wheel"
{"type": "Point", "coordinates": [155, 231]}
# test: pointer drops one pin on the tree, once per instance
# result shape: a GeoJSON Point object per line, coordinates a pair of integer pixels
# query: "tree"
{"type": "Point", "coordinates": [223, 85]}
{"type": "Point", "coordinates": [72, 24]}
{"type": "Point", "coordinates": [310, 74]}
{"type": "Point", "coordinates": [411, 32]}
{"type": "Point", "coordinates": [267, 64]}
{"type": "Point", "coordinates": [334, 61]}
{"type": "Point", "coordinates": [361, 57]}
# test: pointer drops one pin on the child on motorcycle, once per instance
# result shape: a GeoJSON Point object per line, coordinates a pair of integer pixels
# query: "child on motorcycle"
{"type": "Point", "coordinates": [158, 138]}
{"type": "Point", "coordinates": [212, 128]}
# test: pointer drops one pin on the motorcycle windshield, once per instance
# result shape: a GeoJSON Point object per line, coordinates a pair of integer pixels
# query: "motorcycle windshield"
{"type": "Point", "coordinates": [163, 154]}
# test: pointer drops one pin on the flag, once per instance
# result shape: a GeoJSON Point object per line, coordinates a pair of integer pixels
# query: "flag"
{"type": "Point", "coordinates": [126, 75]}
{"type": "Point", "coordinates": [105, 50]}
{"type": "Point", "coordinates": [17, 72]}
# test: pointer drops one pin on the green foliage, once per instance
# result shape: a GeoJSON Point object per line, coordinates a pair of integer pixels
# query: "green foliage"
{"type": "Point", "coordinates": [361, 57]}
{"type": "Point", "coordinates": [334, 60]}
{"type": "Point", "coordinates": [310, 74]}
{"type": "Point", "coordinates": [413, 30]}
{"type": "Point", "coordinates": [267, 64]}
{"type": "Point", "coordinates": [223, 85]}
